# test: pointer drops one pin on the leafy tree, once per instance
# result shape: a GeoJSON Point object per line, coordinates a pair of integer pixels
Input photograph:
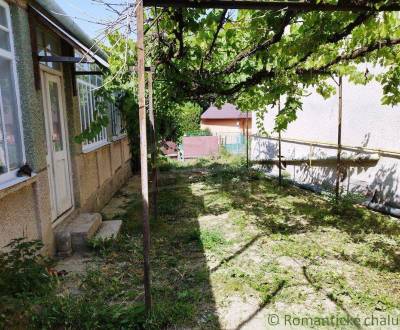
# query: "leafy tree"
{"type": "Point", "coordinates": [190, 117]}
{"type": "Point", "coordinates": [251, 58]}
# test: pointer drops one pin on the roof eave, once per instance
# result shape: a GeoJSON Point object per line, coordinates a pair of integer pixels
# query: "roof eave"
{"type": "Point", "coordinates": [69, 30]}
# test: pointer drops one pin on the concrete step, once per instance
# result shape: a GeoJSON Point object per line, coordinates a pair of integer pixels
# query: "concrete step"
{"type": "Point", "coordinates": [82, 229]}
{"type": "Point", "coordinates": [108, 230]}
{"type": "Point", "coordinates": [74, 236]}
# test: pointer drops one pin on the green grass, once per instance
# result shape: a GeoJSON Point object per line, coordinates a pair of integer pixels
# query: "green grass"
{"type": "Point", "coordinates": [226, 234]}
{"type": "Point", "coordinates": [212, 240]}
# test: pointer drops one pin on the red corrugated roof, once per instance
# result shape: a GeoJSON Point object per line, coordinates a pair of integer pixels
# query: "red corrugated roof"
{"type": "Point", "coordinates": [227, 111]}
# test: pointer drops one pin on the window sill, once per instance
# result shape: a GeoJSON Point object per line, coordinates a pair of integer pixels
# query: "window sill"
{"type": "Point", "coordinates": [16, 184]}
{"type": "Point", "coordinates": [92, 147]}
{"type": "Point", "coordinates": [118, 138]}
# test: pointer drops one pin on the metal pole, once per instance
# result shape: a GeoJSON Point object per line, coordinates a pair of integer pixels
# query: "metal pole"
{"type": "Point", "coordinates": [339, 145]}
{"type": "Point", "coordinates": [143, 152]}
{"type": "Point", "coordinates": [154, 171]}
{"type": "Point", "coordinates": [279, 147]}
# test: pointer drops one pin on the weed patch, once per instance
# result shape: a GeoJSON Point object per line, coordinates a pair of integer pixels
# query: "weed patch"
{"type": "Point", "coordinates": [213, 240]}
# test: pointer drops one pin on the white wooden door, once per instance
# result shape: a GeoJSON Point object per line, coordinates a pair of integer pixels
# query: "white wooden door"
{"type": "Point", "coordinates": [57, 157]}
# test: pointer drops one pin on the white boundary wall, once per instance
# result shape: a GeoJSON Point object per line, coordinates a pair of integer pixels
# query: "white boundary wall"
{"type": "Point", "coordinates": [367, 125]}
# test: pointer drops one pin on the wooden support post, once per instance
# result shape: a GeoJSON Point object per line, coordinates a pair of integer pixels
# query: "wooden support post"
{"type": "Point", "coordinates": [279, 147]}
{"type": "Point", "coordinates": [143, 152]}
{"type": "Point", "coordinates": [247, 139]}
{"type": "Point", "coordinates": [154, 170]}
{"type": "Point", "coordinates": [339, 145]}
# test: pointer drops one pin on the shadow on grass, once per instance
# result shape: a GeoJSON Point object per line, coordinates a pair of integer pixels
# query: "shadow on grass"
{"type": "Point", "coordinates": [111, 294]}
{"type": "Point", "coordinates": [236, 253]}
{"type": "Point", "coordinates": [181, 288]}
{"type": "Point", "coordinates": [329, 296]}
{"type": "Point", "coordinates": [266, 301]}
{"type": "Point", "coordinates": [291, 211]}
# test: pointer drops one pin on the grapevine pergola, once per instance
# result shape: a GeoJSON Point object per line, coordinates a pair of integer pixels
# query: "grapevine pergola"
{"type": "Point", "coordinates": [363, 7]}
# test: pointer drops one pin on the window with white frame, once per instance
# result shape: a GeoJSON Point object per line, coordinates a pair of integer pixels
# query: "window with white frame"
{"type": "Point", "coordinates": [11, 144]}
{"type": "Point", "coordinates": [117, 123]}
{"type": "Point", "coordinates": [87, 85]}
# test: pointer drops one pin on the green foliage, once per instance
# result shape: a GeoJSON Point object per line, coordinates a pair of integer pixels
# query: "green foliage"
{"type": "Point", "coordinates": [129, 110]}
{"type": "Point", "coordinates": [167, 164]}
{"type": "Point", "coordinates": [23, 269]}
{"type": "Point", "coordinates": [212, 239]}
{"type": "Point", "coordinates": [189, 117]}
{"type": "Point", "coordinates": [103, 99]}
{"type": "Point", "coordinates": [94, 313]}
{"type": "Point", "coordinates": [391, 83]}
{"type": "Point", "coordinates": [345, 203]}
{"type": "Point", "coordinates": [252, 58]}
{"type": "Point", "coordinates": [24, 279]}
{"type": "Point", "coordinates": [173, 118]}
{"type": "Point", "coordinates": [199, 132]}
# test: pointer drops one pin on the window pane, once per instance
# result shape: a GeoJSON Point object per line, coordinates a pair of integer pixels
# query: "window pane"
{"type": "Point", "coordinates": [87, 105]}
{"type": "Point", "coordinates": [82, 106]}
{"type": "Point", "coordinates": [55, 116]}
{"type": "Point", "coordinates": [10, 114]}
{"type": "Point", "coordinates": [4, 40]}
{"type": "Point", "coordinates": [40, 42]}
{"type": "Point", "coordinates": [117, 128]}
{"type": "Point", "coordinates": [3, 17]}
{"type": "Point", "coordinates": [48, 45]}
{"type": "Point", "coordinates": [3, 162]}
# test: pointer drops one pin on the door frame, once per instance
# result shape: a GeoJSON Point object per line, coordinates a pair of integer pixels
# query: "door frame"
{"type": "Point", "coordinates": [56, 220]}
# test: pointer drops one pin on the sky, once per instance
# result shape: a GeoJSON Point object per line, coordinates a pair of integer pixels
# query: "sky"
{"type": "Point", "coordinates": [82, 11]}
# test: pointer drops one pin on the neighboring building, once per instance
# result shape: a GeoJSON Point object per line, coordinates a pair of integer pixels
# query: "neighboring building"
{"type": "Point", "coordinates": [225, 120]}
{"type": "Point", "coordinates": [229, 124]}
{"type": "Point", "coordinates": [369, 131]}
{"type": "Point", "coordinates": [44, 103]}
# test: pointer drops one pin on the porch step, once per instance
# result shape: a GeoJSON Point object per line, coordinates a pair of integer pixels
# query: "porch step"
{"type": "Point", "coordinates": [109, 230]}
{"type": "Point", "coordinates": [83, 228]}
{"type": "Point", "coordinates": [74, 236]}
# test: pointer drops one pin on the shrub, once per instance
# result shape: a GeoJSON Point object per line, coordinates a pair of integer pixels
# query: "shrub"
{"type": "Point", "coordinates": [345, 202]}
{"type": "Point", "coordinates": [23, 269]}
{"type": "Point", "coordinates": [199, 132]}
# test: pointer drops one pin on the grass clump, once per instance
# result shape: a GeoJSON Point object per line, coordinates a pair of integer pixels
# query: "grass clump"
{"type": "Point", "coordinates": [345, 203]}
{"type": "Point", "coordinates": [93, 313]}
{"type": "Point", "coordinates": [24, 280]}
{"type": "Point", "coordinates": [212, 240]}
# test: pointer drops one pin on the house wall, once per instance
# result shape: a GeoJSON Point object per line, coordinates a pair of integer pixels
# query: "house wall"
{"type": "Point", "coordinates": [368, 128]}
{"type": "Point", "coordinates": [25, 209]}
{"type": "Point", "coordinates": [101, 173]}
{"type": "Point", "coordinates": [220, 126]}
{"type": "Point", "coordinates": [98, 174]}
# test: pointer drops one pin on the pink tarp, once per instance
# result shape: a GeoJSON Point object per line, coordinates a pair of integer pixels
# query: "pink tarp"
{"type": "Point", "coordinates": [200, 146]}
